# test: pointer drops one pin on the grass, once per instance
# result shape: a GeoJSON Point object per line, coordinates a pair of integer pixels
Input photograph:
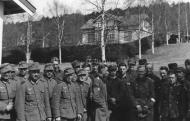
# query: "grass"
{"type": "Point", "coordinates": [168, 54]}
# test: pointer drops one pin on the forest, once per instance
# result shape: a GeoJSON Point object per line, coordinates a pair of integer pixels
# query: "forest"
{"type": "Point", "coordinates": [166, 18]}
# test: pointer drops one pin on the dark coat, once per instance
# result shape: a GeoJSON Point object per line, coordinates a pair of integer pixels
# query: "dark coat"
{"type": "Point", "coordinates": [114, 90]}
{"type": "Point", "coordinates": [173, 100]}
{"type": "Point", "coordinates": [32, 101]}
{"type": "Point", "coordinates": [144, 93]}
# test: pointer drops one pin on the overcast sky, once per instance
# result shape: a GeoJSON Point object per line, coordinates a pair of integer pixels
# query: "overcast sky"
{"type": "Point", "coordinates": [73, 6]}
{"type": "Point", "coordinates": [78, 5]}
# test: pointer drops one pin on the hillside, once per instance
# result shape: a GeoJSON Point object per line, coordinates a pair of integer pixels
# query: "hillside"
{"type": "Point", "coordinates": [167, 54]}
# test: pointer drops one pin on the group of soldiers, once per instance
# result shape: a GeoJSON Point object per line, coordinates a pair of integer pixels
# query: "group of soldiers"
{"type": "Point", "coordinates": [94, 92]}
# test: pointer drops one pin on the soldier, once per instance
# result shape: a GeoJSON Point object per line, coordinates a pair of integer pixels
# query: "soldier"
{"type": "Point", "coordinates": [156, 81]}
{"type": "Point", "coordinates": [170, 93]}
{"type": "Point", "coordinates": [98, 98]}
{"type": "Point", "coordinates": [76, 66]}
{"type": "Point", "coordinates": [83, 88]}
{"type": "Point", "coordinates": [57, 70]}
{"type": "Point", "coordinates": [131, 70]}
{"type": "Point", "coordinates": [94, 71]}
{"type": "Point", "coordinates": [184, 87]}
{"type": "Point", "coordinates": [127, 98]}
{"type": "Point", "coordinates": [49, 80]}
{"type": "Point", "coordinates": [87, 68]}
{"type": "Point", "coordinates": [103, 72]}
{"type": "Point", "coordinates": [32, 98]}
{"type": "Point", "coordinates": [7, 94]}
{"type": "Point", "coordinates": [23, 72]}
{"type": "Point", "coordinates": [65, 101]}
{"type": "Point", "coordinates": [114, 90]}
{"type": "Point", "coordinates": [144, 95]}
{"type": "Point", "coordinates": [163, 73]}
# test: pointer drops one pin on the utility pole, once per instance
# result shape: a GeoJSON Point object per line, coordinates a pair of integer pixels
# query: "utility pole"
{"type": "Point", "coordinates": [103, 47]}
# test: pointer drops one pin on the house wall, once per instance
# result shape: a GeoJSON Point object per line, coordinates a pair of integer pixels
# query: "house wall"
{"type": "Point", "coordinates": [114, 35]}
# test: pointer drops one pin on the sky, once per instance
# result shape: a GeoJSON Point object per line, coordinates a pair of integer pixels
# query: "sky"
{"type": "Point", "coordinates": [73, 6]}
{"type": "Point", "coordinates": [79, 5]}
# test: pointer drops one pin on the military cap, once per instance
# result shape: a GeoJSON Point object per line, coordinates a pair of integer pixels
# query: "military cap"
{"type": "Point", "coordinates": [81, 72]}
{"type": "Point", "coordinates": [76, 64]}
{"type": "Point", "coordinates": [142, 62]}
{"type": "Point", "coordinates": [180, 69]}
{"type": "Point", "coordinates": [3, 65]}
{"type": "Point", "coordinates": [131, 62]}
{"type": "Point", "coordinates": [49, 67]}
{"type": "Point", "coordinates": [22, 64]}
{"type": "Point", "coordinates": [112, 68]}
{"type": "Point", "coordinates": [35, 66]}
{"type": "Point", "coordinates": [187, 62]}
{"type": "Point", "coordinates": [172, 66]}
{"type": "Point", "coordinates": [6, 68]}
{"type": "Point", "coordinates": [69, 71]}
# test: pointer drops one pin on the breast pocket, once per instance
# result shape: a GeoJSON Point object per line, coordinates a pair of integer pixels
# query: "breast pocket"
{"type": "Point", "coordinates": [3, 93]}
{"type": "Point", "coordinates": [65, 94]}
{"type": "Point", "coordinates": [30, 95]}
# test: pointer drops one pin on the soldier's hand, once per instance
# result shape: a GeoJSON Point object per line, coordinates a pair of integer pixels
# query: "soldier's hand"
{"type": "Point", "coordinates": [9, 106]}
{"type": "Point", "coordinates": [49, 119]}
{"type": "Point", "coordinates": [113, 100]}
{"type": "Point", "coordinates": [58, 119]}
{"type": "Point", "coordinates": [79, 117]}
{"type": "Point", "coordinates": [139, 108]}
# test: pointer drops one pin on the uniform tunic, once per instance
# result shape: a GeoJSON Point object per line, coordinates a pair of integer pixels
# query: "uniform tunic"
{"type": "Point", "coordinates": [83, 88]}
{"type": "Point", "coordinates": [98, 100]}
{"type": "Point", "coordinates": [65, 101]}
{"type": "Point", "coordinates": [7, 95]}
{"type": "Point", "coordinates": [32, 101]}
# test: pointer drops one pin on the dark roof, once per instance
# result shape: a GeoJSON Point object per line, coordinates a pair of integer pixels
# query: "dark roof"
{"type": "Point", "coordinates": [12, 8]}
{"type": "Point", "coordinates": [131, 21]}
{"type": "Point", "coordinates": [88, 25]}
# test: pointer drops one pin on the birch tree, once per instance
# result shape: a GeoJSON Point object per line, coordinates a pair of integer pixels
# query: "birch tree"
{"type": "Point", "coordinates": [57, 10]}
{"type": "Point", "coordinates": [100, 7]}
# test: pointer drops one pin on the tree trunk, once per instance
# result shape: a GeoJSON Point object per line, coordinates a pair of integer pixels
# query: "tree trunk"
{"type": "Point", "coordinates": [153, 51]}
{"type": "Point", "coordinates": [187, 24]}
{"type": "Point", "coordinates": [179, 26]}
{"type": "Point", "coordinates": [60, 53]}
{"type": "Point", "coordinates": [29, 37]}
{"type": "Point", "coordinates": [139, 36]}
{"type": "Point", "coordinates": [103, 47]}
